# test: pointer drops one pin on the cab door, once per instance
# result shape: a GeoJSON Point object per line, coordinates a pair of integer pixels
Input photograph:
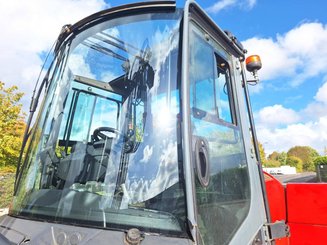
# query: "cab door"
{"type": "Point", "coordinates": [228, 202]}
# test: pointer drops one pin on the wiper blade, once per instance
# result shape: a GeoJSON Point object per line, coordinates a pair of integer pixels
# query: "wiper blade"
{"type": "Point", "coordinates": [104, 50]}
{"type": "Point", "coordinates": [120, 44]}
{"type": "Point", "coordinates": [102, 39]}
{"type": "Point", "coordinates": [123, 43]}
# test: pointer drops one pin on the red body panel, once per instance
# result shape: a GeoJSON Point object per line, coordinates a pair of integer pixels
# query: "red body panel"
{"type": "Point", "coordinates": [307, 213]}
{"type": "Point", "coordinates": [304, 207]}
{"type": "Point", "coordinates": [304, 234]}
{"type": "Point", "coordinates": [276, 198]}
{"type": "Point", "coordinates": [307, 203]}
{"type": "Point", "coordinates": [277, 202]}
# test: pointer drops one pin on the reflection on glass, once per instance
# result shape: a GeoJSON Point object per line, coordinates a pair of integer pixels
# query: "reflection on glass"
{"type": "Point", "coordinates": [105, 150]}
{"type": "Point", "coordinates": [224, 203]}
{"type": "Point", "coordinates": [223, 91]}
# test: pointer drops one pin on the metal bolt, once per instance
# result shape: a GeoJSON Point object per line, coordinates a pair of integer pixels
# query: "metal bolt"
{"type": "Point", "coordinates": [257, 241]}
{"type": "Point", "coordinates": [133, 237]}
{"type": "Point", "coordinates": [61, 238]}
{"type": "Point", "coordinates": [207, 37]}
{"type": "Point", "coordinates": [75, 238]}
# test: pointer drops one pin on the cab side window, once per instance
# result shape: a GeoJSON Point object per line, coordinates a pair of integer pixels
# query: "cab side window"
{"type": "Point", "coordinates": [223, 197]}
{"type": "Point", "coordinates": [223, 91]}
{"type": "Point", "coordinates": [203, 93]}
{"type": "Point", "coordinates": [211, 90]}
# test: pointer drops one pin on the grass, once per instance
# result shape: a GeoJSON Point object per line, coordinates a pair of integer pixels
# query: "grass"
{"type": "Point", "coordinates": [7, 180]}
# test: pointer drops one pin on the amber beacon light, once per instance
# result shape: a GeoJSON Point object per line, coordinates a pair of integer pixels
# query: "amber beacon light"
{"type": "Point", "coordinates": [253, 64]}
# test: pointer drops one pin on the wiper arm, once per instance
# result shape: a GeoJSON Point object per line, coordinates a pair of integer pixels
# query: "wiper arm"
{"type": "Point", "coordinates": [104, 50]}
{"type": "Point", "coordinates": [138, 53]}
{"type": "Point", "coordinates": [102, 39]}
{"type": "Point", "coordinates": [123, 43]}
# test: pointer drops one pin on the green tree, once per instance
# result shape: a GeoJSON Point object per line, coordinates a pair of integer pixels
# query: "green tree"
{"type": "Point", "coordinates": [306, 154]}
{"type": "Point", "coordinates": [278, 157]}
{"type": "Point", "coordinates": [12, 124]}
{"type": "Point", "coordinates": [262, 153]}
{"type": "Point", "coordinates": [272, 164]}
{"type": "Point", "coordinates": [320, 160]}
{"type": "Point", "coordinates": [282, 158]}
{"type": "Point", "coordinates": [295, 162]}
{"type": "Point", "coordinates": [273, 156]}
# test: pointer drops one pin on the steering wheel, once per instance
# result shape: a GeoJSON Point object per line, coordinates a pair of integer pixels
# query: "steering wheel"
{"type": "Point", "coordinates": [98, 135]}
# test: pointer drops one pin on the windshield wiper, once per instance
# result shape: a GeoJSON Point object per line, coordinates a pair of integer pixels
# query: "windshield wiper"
{"type": "Point", "coordinates": [123, 43]}
{"type": "Point", "coordinates": [98, 37]}
{"type": "Point", "coordinates": [104, 50]}
{"type": "Point", "coordinates": [138, 53]}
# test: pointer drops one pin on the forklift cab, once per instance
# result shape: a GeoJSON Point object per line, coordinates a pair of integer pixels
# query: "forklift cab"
{"type": "Point", "coordinates": [142, 136]}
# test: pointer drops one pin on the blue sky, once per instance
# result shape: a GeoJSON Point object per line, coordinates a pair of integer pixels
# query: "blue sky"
{"type": "Point", "coordinates": [290, 103]}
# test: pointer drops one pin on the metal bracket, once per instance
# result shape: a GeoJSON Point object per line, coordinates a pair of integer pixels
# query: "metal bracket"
{"type": "Point", "coordinates": [276, 230]}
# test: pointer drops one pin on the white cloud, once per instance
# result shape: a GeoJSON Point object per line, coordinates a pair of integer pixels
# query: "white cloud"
{"type": "Point", "coordinates": [321, 95]}
{"type": "Point", "coordinates": [251, 3]}
{"type": "Point", "coordinates": [147, 154]}
{"type": "Point", "coordinates": [277, 115]}
{"type": "Point", "coordinates": [318, 107]}
{"type": "Point", "coordinates": [108, 76]}
{"type": "Point", "coordinates": [298, 54]}
{"type": "Point", "coordinates": [304, 134]}
{"type": "Point", "coordinates": [142, 189]}
{"type": "Point", "coordinates": [28, 29]}
{"type": "Point", "coordinates": [311, 131]}
{"type": "Point", "coordinates": [78, 66]}
{"type": "Point", "coordinates": [257, 88]}
{"type": "Point", "coordinates": [275, 61]}
{"type": "Point", "coordinates": [218, 6]}
{"type": "Point", "coordinates": [223, 4]}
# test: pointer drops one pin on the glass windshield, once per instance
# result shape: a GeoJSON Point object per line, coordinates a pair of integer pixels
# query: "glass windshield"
{"type": "Point", "coordinates": [104, 151]}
